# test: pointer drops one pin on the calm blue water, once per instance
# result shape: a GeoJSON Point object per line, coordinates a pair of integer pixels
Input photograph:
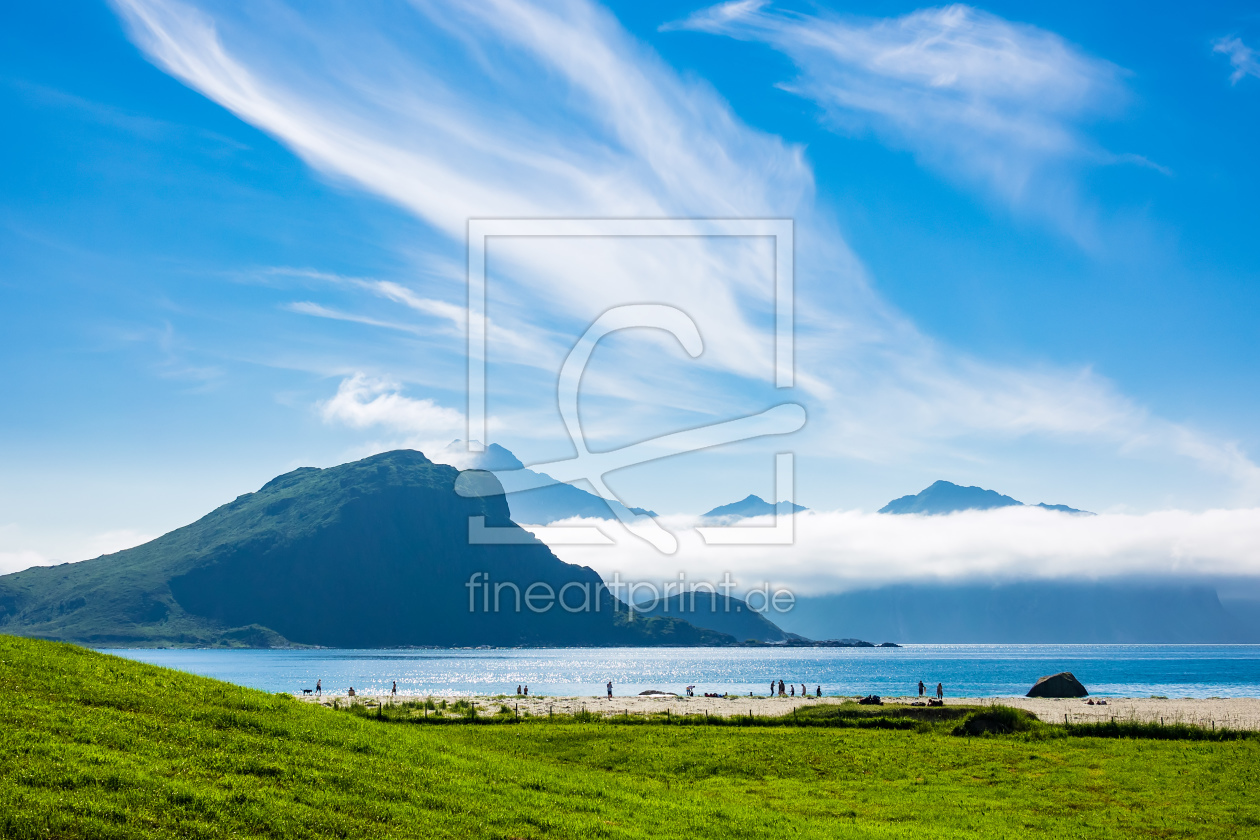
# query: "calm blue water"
{"type": "Point", "coordinates": [966, 670]}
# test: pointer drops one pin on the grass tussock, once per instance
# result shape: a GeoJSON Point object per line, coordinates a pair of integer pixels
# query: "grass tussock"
{"type": "Point", "coordinates": [1156, 731]}
{"type": "Point", "coordinates": [1005, 720]}
{"type": "Point", "coordinates": [846, 715]}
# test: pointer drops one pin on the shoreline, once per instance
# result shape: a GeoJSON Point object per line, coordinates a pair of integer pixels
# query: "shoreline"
{"type": "Point", "coordinates": [1225, 712]}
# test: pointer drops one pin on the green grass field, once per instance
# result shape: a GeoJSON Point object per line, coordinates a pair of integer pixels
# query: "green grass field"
{"type": "Point", "coordinates": [99, 747]}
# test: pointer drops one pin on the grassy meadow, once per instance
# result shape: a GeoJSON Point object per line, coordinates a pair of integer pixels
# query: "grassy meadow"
{"type": "Point", "coordinates": [95, 746]}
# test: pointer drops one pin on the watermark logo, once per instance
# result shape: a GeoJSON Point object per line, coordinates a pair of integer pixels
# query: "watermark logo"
{"type": "Point", "coordinates": [681, 597]}
{"type": "Point", "coordinates": [781, 419]}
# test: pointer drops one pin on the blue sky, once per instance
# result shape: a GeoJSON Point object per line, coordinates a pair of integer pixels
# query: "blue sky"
{"type": "Point", "coordinates": [231, 244]}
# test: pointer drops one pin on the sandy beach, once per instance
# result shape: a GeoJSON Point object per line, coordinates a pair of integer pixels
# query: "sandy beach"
{"type": "Point", "coordinates": [1232, 712]}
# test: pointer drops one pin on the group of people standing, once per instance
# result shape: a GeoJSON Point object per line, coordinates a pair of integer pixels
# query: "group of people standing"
{"type": "Point", "coordinates": [785, 690]}
{"type": "Point", "coordinates": [319, 689]}
{"type": "Point", "coordinates": [790, 690]}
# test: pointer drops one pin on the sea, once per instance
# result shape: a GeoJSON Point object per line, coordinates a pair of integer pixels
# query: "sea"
{"type": "Point", "coordinates": [1172, 671]}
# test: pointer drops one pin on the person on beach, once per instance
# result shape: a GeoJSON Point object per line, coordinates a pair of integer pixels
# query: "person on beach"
{"type": "Point", "coordinates": [319, 688]}
{"type": "Point", "coordinates": [793, 689]}
{"type": "Point", "coordinates": [782, 689]}
{"type": "Point", "coordinates": [771, 688]}
{"type": "Point", "coordinates": [393, 692]}
{"type": "Point", "coordinates": [921, 688]}
{"type": "Point", "coordinates": [518, 689]}
{"type": "Point", "coordinates": [610, 689]}
{"type": "Point", "coordinates": [804, 690]}
{"type": "Point", "coordinates": [819, 694]}
{"type": "Point", "coordinates": [940, 691]}
{"type": "Point", "coordinates": [526, 691]}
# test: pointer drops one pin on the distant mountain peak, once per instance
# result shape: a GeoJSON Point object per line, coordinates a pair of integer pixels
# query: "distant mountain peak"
{"type": "Point", "coordinates": [492, 457]}
{"type": "Point", "coordinates": [750, 506]}
{"type": "Point", "coordinates": [531, 504]}
{"type": "Point", "coordinates": [1064, 509]}
{"type": "Point", "coordinates": [946, 497]}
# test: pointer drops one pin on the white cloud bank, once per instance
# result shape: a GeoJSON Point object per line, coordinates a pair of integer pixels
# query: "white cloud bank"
{"type": "Point", "coordinates": [845, 550]}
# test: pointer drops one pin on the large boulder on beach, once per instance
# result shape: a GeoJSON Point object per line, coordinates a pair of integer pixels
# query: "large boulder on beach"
{"type": "Point", "coordinates": [1058, 685]}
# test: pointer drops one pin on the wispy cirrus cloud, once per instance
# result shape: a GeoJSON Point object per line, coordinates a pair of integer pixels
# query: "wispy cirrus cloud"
{"type": "Point", "coordinates": [318, 310]}
{"type": "Point", "coordinates": [514, 108]}
{"type": "Point", "coordinates": [527, 343]}
{"type": "Point", "coordinates": [901, 397]}
{"type": "Point", "coordinates": [976, 97]}
{"type": "Point", "coordinates": [1242, 58]}
{"type": "Point", "coordinates": [472, 111]}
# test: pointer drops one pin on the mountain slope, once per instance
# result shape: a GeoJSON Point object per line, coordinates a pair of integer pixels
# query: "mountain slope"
{"type": "Point", "coordinates": [947, 497]}
{"type": "Point", "coordinates": [1030, 612]}
{"type": "Point", "coordinates": [750, 506]}
{"type": "Point", "coordinates": [369, 554]}
{"type": "Point", "coordinates": [734, 618]}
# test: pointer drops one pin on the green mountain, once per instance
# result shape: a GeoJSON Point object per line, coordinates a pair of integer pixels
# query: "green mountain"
{"type": "Point", "coordinates": [373, 553]}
